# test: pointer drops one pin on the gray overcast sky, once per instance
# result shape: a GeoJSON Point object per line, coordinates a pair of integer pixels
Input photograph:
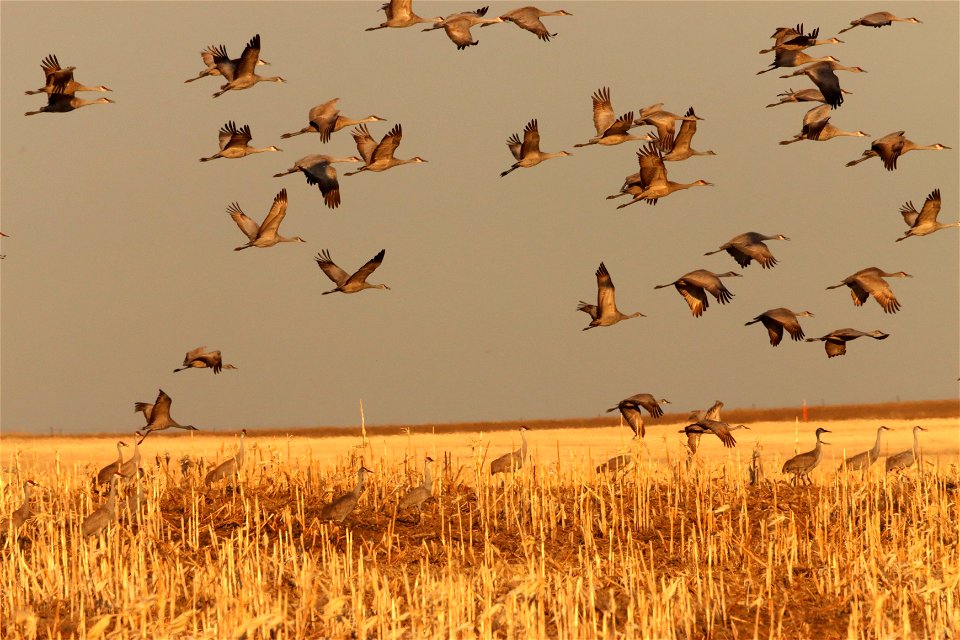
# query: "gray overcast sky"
{"type": "Point", "coordinates": [120, 257]}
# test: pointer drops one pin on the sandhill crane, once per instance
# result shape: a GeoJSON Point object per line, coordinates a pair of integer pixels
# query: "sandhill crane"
{"type": "Point", "coordinates": [616, 463]}
{"type": "Point", "coordinates": [326, 120]}
{"type": "Point", "coordinates": [234, 143]}
{"type": "Point", "coordinates": [229, 467]}
{"type": "Point", "coordinates": [416, 496]}
{"type": "Point", "coordinates": [3, 235]}
{"type": "Point", "coordinates": [244, 73]}
{"type": "Point", "coordinates": [528, 152]}
{"type": "Point", "coordinates": [822, 74]}
{"type": "Point", "coordinates": [512, 461]}
{"type": "Point", "coordinates": [345, 282]}
{"type": "Point", "coordinates": [817, 127]}
{"type": "Point", "coordinates": [265, 234]}
{"type": "Point", "coordinates": [923, 222]}
{"type": "Point", "coordinates": [605, 312]}
{"type": "Point", "coordinates": [713, 413]}
{"type": "Point", "coordinates": [793, 58]}
{"type": "Point", "coordinates": [892, 146]}
{"type": "Point", "coordinates": [66, 102]}
{"type": "Point", "coordinates": [60, 79]}
{"type": "Point", "coordinates": [694, 285]}
{"type": "Point", "coordinates": [103, 476]}
{"type": "Point", "coordinates": [836, 341]}
{"type": "Point", "coordinates": [319, 170]}
{"type": "Point", "coordinates": [200, 358]}
{"type": "Point", "coordinates": [104, 515]}
{"type": "Point", "coordinates": [664, 121]}
{"type": "Point", "coordinates": [802, 464]}
{"type": "Point", "coordinates": [136, 501]}
{"type": "Point", "coordinates": [128, 468]}
{"type": "Point", "coordinates": [528, 18]}
{"type": "Point", "coordinates": [877, 20]}
{"type": "Point", "coordinates": [22, 513]}
{"type": "Point", "coordinates": [680, 147]}
{"type": "Point", "coordinates": [906, 458]}
{"type": "Point", "coordinates": [630, 410]}
{"type": "Point", "coordinates": [870, 282]}
{"type": "Point", "coordinates": [457, 26]}
{"type": "Point", "coordinates": [341, 507]}
{"type": "Point", "coordinates": [862, 461]}
{"type": "Point", "coordinates": [652, 183]}
{"type": "Point", "coordinates": [147, 409]}
{"type": "Point", "coordinates": [400, 14]}
{"type": "Point", "coordinates": [800, 41]}
{"type": "Point", "coordinates": [716, 427]}
{"type": "Point", "coordinates": [379, 156]}
{"type": "Point", "coordinates": [750, 246]}
{"type": "Point", "coordinates": [804, 95]}
{"type": "Point", "coordinates": [217, 61]}
{"type": "Point", "coordinates": [610, 130]}
{"type": "Point", "coordinates": [159, 418]}
{"type": "Point", "coordinates": [776, 320]}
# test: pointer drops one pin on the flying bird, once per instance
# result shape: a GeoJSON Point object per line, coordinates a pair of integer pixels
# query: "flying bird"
{"type": "Point", "coordinates": [345, 282]}
{"type": "Point", "coordinates": [219, 63]}
{"type": "Point", "coordinates": [750, 246]}
{"type": "Point", "coordinates": [817, 127]}
{"type": "Point", "coordinates": [457, 26]}
{"type": "Point", "coordinates": [630, 410]}
{"type": "Point", "coordinates": [870, 282]}
{"type": "Point", "coordinates": [605, 312]}
{"type": "Point", "coordinates": [528, 19]}
{"type": "Point", "coordinates": [610, 129]}
{"type": "Point", "coordinates": [400, 14]}
{"type": "Point", "coordinates": [266, 234]}
{"type": "Point", "coordinates": [234, 143]}
{"type": "Point", "coordinates": [379, 156]}
{"type": "Point", "coordinates": [651, 183]}
{"type": "Point", "coordinates": [804, 95]}
{"type": "Point", "coordinates": [695, 285]}
{"type": "Point", "coordinates": [159, 418]}
{"type": "Point", "coordinates": [877, 20]}
{"type": "Point", "coordinates": [924, 222]}
{"type": "Point", "coordinates": [66, 102]}
{"type": "Point", "coordinates": [680, 147]}
{"type": "Point", "coordinates": [59, 79]}
{"type": "Point", "coordinates": [325, 119]}
{"type": "Point", "coordinates": [892, 146]}
{"type": "Point", "coordinates": [836, 341]}
{"type": "Point", "coordinates": [243, 73]}
{"type": "Point", "coordinates": [527, 152]}
{"type": "Point", "coordinates": [319, 171]}
{"type": "Point", "coordinates": [776, 320]}
{"type": "Point", "coordinates": [822, 74]}
{"type": "Point", "coordinates": [200, 358]}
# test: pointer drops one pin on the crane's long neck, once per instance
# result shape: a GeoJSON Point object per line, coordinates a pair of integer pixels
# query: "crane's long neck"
{"type": "Point", "coordinates": [239, 456]}
{"type": "Point", "coordinates": [357, 490]}
{"type": "Point", "coordinates": [112, 497]}
{"type": "Point", "coordinates": [255, 150]}
{"type": "Point", "coordinates": [427, 480]}
{"type": "Point", "coordinates": [555, 154]}
{"type": "Point", "coordinates": [119, 453]}
{"type": "Point", "coordinates": [680, 186]}
{"type": "Point", "coordinates": [523, 444]}
{"type": "Point", "coordinates": [916, 444]}
{"type": "Point", "coordinates": [817, 452]}
{"type": "Point", "coordinates": [909, 146]}
{"type": "Point", "coordinates": [349, 122]}
{"type": "Point", "coordinates": [26, 496]}
{"type": "Point", "coordinates": [875, 452]}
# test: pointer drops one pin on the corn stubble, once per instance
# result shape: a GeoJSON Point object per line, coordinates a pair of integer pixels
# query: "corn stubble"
{"type": "Point", "coordinates": [553, 551]}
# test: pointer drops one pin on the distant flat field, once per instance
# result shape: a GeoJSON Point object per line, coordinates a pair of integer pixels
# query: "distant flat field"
{"type": "Point", "coordinates": [571, 446]}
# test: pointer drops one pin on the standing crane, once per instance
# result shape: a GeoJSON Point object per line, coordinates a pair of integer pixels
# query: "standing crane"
{"type": "Point", "coordinates": [343, 506]}
{"type": "Point", "coordinates": [802, 464]}
{"type": "Point", "coordinates": [512, 461]}
{"type": "Point", "coordinates": [228, 468]}
{"type": "Point", "coordinates": [862, 461]}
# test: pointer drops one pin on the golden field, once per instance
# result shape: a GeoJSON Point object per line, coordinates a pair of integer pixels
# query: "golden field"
{"type": "Point", "coordinates": [673, 548]}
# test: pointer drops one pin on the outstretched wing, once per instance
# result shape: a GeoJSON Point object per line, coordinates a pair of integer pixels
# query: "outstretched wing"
{"type": "Point", "coordinates": [371, 266]}
{"type": "Point", "coordinates": [335, 273]}
{"type": "Point", "coordinates": [246, 224]}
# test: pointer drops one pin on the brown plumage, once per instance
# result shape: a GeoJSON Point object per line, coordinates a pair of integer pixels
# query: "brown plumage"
{"type": "Point", "coordinates": [22, 513]}
{"type": "Point", "coordinates": [262, 236]}
{"type": "Point", "coordinates": [905, 459]}
{"type": "Point", "coordinates": [104, 515]}
{"type": "Point", "coordinates": [716, 427]}
{"type": "Point", "coordinates": [664, 122]}
{"type": "Point", "coordinates": [416, 496]}
{"type": "Point", "coordinates": [680, 148]}
{"type": "Point", "coordinates": [822, 74]}
{"type": "Point", "coordinates": [400, 14]}
{"type": "Point", "coordinates": [319, 171]}
{"type": "Point", "coordinates": [200, 358]}
{"type": "Point", "coordinates": [630, 410]}
{"type": "Point", "coordinates": [750, 246]}
{"type": "Point", "coordinates": [219, 63]}
{"type": "Point", "coordinates": [527, 152]}
{"type": "Point", "coordinates": [379, 156]}
{"type": "Point", "coordinates": [528, 19]}
{"type": "Point", "coordinates": [610, 129]}
{"type": "Point", "coordinates": [106, 473]}
{"type": "Point", "coordinates": [776, 320]}
{"type": "Point", "coordinates": [457, 26]}
{"type": "Point", "coordinates": [805, 95]}
{"type": "Point", "coordinates": [228, 468]}
{"type": "Point", "coordinates": [836, 341]}
{"type": "Point", "coordinates": [651, 183]}
{"type": "Point", "coordinates": [341, 507]}
{"type": "Point", "coordinates": [60, 80]}
{"type": "Point", "coordinates": [923, 222]}
{"type": "Point", "coordinates": [870, 282]}
{"type": "Point", "coordinates": [159, 418]}
{"type": "Point", "coordinates": [66, 102]}
{"type": "Point", "coordinates": [345, 282]}
{"type": "Point", "coordinates": [877, 20]}
{"type": "Point", "coordinates": [243, 73]}
{"type": "Point", "coordinates": [694, 286]}
{"type": "Point", "coordinates": [802, 464]}
{"type": "Point", "coordinates": [234, 143]}
{"type": "Point", "coordinates": [325, 119]}
{"type": "Point", "coordinates": [862, 461]}
{"type": "Point", "coordinates": [817, 127]}
{"type": "Point", "coordinates": [605, 312]}
{"type": "Point", "coordinates": [891, 146]}
{"type": "Point", "coordinates": [512, 461]}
